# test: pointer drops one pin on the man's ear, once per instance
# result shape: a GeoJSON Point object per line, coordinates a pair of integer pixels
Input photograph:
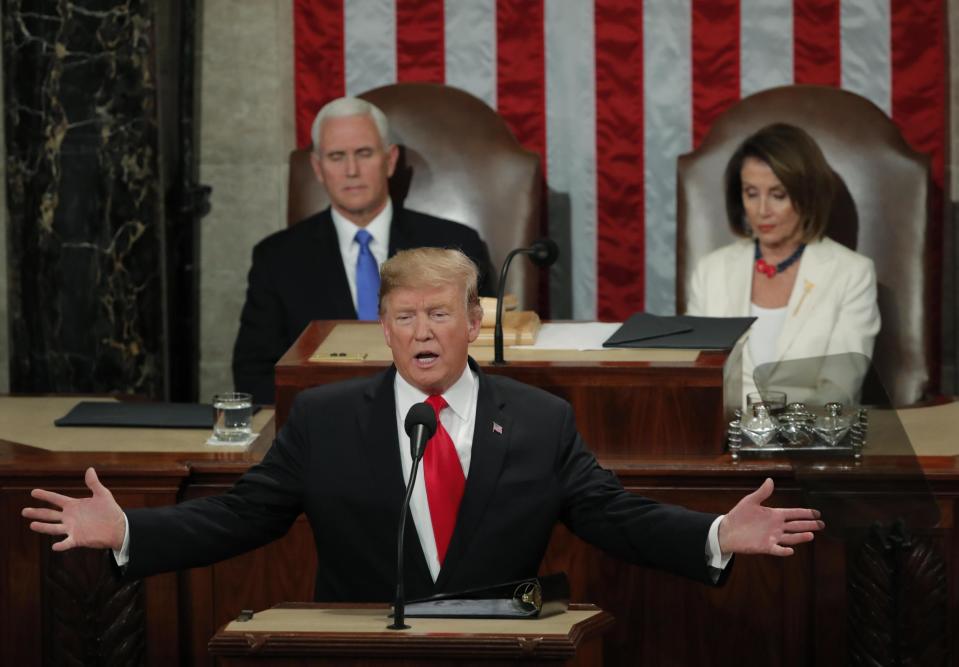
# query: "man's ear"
{"type": "Point", "coordinates": [475, 322]}
{"type": "Point", "coordinates": [392, 155]}
{"type": "Point", "coordinates": [317, 167]}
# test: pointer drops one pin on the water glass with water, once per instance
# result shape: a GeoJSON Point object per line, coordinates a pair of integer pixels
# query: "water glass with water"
{"type": "Point", "coordinates": [232, 416]}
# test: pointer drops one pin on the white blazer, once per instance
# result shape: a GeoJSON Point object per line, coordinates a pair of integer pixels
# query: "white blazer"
{"type": "Point", "coordinates": [832, 308]}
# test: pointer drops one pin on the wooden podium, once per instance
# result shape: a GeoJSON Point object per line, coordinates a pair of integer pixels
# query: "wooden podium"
{"type": "Point", "coordinates": [626, 402]}
{"type": "Point", "coordinates": [356, 635]}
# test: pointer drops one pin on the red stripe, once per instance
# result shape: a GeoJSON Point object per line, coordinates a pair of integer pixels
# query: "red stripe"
{"type": "Point", "coordinates": [521, 88]}
{"type": "Point", "coordinates": [521, 71]}
{"type": "Point", "coordinates": [620, 234]}
{"type": "Point", "coordinates": [919, 77]}
{"type": "Point", "coordinates": [715, 59]}
{"type": "Point", "coordinates": [918, 35]}
{"type": "Point", "coordinates": [816, 42]}
{"type": "Point", "coordinates": [420, 43]}
{"type": "Point", "coordinates": [317, 60]}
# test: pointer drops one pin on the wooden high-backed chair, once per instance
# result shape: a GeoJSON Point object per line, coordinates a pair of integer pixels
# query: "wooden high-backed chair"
{"type": "Point", "coordinates": [458, 161]}
{"type": "Point", "coordinates": [882, 212]}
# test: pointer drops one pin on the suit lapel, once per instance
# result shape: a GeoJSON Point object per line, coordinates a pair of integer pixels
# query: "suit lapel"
{"type": "Point", "coordinates": [378, 433]}
{"type": "Point", "coordinates": [491, 435]}
{"type": "Point", "coordinates": [330, 275]}
{"type": "Point", "coordinates": [818, 261]}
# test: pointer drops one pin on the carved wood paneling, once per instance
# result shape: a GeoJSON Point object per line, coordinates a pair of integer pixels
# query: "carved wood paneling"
{"type": "Point", "coordinates": [897, 600]}
{"type": "Point", "coordinates": [95, 617]}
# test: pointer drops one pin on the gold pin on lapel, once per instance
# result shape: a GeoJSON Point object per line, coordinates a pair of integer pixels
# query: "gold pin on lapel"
{"type": "Point", "coordinates": [807, 288]}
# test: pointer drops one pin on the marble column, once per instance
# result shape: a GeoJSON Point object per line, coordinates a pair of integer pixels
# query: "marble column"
{"type": "Point", "coordinates": [85, 197]}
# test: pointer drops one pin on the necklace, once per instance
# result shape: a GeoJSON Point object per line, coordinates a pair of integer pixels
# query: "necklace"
{"type": "Point", "coordinates": [772, 269]}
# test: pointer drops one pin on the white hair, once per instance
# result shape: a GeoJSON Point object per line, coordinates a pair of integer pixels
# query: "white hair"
{"type": "Point", "coordinates": [350, 106]}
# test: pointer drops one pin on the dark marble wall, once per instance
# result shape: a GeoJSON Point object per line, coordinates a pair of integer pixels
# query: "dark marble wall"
{"type": "Point", "coordinates": [85, 242]}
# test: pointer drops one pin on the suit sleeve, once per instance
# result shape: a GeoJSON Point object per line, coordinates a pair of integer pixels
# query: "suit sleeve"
{"type": "Point", "coordinates": [260, 508]}
{"type": "Point", "coordinates": [857, 321]}
{"type": "Point", "coordinates": [261, 339]}
{"type": "Point", "coordinates": [636, 529]}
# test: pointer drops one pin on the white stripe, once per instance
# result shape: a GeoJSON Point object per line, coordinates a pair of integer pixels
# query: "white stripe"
{"type": "Point", "coordinates": [369, 39]}
{"type": "Point", "coordinates": [571, 154]}
{"type": "Point", "coordinates": [866, 45]}
{"type": "Point", "coordinates": [766, 39]}
{"type": "Point", "coordinates": [470, 36]}
{"type": "Point", "coordinates": [667, 131]}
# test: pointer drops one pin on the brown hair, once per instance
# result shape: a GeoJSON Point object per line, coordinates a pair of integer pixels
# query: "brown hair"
{"type": "Point", "coordinates": [799, 165]}
{"type": "Point", "coordinates": [431, 267]}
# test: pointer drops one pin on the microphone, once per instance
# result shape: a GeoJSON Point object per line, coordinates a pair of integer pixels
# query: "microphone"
{"type": "Point", "coordinates": [543, 252]}
{"type": "Point", "coordinates": [420, 425]}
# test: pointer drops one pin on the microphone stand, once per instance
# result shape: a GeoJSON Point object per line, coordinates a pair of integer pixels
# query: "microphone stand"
{"type": "Point", "coordinates": [498, 329]}
{"type": "Point", "coordinates": [399, 603]}
{"type": "Point", "coordinates": [419, 438]}
{"type": "Point", "coordinates": [542, 253]}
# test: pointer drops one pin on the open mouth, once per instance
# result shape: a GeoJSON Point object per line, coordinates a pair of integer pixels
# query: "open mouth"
{"type": "Point", "coordinates": [426, 359]}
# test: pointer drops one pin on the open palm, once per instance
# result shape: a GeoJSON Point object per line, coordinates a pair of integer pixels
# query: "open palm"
{"type": "Point", "coordinates": [752, 528]}
{"type": "Point", "coordinates": [95, 522]}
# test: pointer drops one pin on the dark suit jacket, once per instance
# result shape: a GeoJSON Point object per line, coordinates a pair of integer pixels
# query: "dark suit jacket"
{"type": "Point", "coordinates": [337, 459]}
{"type": "Point", "coordinates": [298, 276]}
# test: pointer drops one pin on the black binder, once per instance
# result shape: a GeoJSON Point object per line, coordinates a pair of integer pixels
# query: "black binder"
{"type": "Point", "coordinates": [537, 597]}
{"type": "Point", "coordinates": [133, 414]}
{"type": "Point", "coordinates": [643, 330]}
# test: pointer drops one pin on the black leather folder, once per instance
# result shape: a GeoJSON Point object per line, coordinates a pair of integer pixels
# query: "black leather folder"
{"type": "Point", "coordinates": [643, 330]}
{"type": "Point", "coordinates": [132, 414]}
{"type": "Point", "coordinates": [537, 597]}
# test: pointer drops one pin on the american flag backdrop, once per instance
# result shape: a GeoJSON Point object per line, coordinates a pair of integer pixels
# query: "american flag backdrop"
{"type": "Point", "coordinates": [610, 92]}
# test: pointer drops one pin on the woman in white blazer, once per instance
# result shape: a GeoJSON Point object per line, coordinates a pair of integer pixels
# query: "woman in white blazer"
{"type": "Point", "coordinates": [812, 297]}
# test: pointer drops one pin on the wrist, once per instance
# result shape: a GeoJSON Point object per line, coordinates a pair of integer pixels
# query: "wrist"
{"type": "Point", "coordinates": [120, 531]}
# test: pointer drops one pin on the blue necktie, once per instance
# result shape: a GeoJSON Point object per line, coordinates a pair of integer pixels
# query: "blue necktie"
{"type": "Point", "coordinates": [367, 279]}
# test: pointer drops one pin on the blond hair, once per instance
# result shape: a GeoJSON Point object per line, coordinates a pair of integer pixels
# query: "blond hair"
{"type": "Point", "coordinates": [431, 267]}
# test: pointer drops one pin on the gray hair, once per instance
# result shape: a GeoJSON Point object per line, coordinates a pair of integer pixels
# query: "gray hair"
{"type": "Point", "coordinates": [350, 106]}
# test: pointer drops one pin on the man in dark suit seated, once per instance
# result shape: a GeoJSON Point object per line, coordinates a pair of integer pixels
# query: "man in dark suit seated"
{"type": "Point", "coordinates": [325, 267]}
{"type": "Point", "coordinates": [505, 464]}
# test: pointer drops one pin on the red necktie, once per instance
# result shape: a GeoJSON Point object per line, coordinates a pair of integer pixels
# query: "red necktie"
{"type": "Point", "coordinates": [444, 480]}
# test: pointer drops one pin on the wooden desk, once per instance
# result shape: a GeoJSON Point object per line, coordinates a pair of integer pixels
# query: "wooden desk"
{"type": "Point", "coordinates": [70, 608]}
{"type": "Point", "coordinates": [623, 408]}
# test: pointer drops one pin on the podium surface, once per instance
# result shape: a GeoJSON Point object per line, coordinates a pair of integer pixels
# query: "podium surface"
{"type": "Point", "coordinates": [357, 635]}
{"type": "Point", "coordinates": [626, 402]}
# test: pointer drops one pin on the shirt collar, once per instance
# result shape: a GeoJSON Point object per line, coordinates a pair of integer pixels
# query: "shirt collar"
{"type": "Point", "coordinates": [458, 397]}
{"type": "Point", "coordinates": [379, 229]}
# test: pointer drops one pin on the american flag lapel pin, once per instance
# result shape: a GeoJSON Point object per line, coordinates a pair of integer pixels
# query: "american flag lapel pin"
{"type": "Point", "coordinates": [497, 428]}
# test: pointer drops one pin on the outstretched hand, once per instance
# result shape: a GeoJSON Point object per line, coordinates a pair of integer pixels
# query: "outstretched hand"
{"type": "Point", "coordinates": [95, 522]}
{"type": "Point", "coordinates": [751, 528]}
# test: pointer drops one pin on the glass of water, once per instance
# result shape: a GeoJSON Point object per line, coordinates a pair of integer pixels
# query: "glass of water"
{"type": "Point", "coordinates": [232, 416]}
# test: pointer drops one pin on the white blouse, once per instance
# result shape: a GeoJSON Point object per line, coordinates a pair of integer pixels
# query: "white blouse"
{"type": "Point", "coordinates": [764, 333]}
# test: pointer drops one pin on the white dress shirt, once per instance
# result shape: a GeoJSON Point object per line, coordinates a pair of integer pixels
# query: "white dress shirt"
{"type": "Point", "coordinates": [459, 419]}
{"type": "Point", "coordinates": [379, 229]}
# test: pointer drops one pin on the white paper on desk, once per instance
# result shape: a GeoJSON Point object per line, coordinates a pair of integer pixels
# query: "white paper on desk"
{"type": "Point", "coordinates": [572, 336]}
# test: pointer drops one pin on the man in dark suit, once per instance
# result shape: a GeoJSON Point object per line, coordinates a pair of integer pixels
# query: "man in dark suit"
{"type": "Point", "coordinates": [314, 269]}
{"type": "Point", "coordinates": [505, 464]}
